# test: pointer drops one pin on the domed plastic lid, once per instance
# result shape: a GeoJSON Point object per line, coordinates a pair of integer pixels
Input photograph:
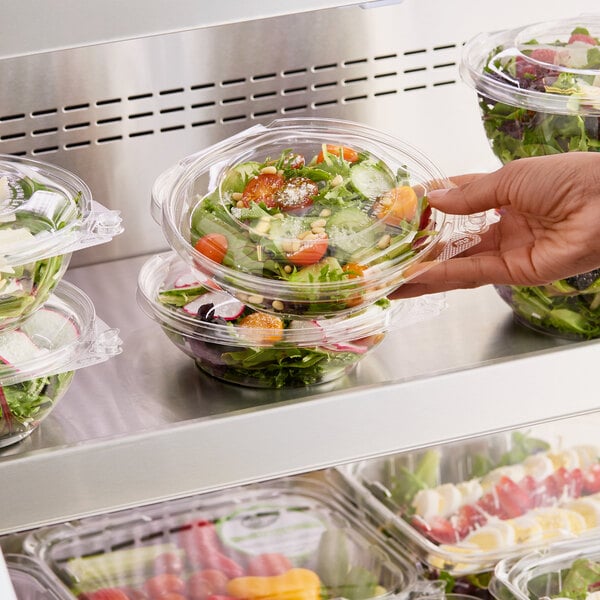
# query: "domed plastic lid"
{"type": "Point", "coordinates": [176, 297]}
{"type": "Point", "coordinates": [549, 67]}
{"type": "Point", "coordinates": [64, 335]}
{"type": "Point", "coordinates": [45, 211]}
{"type": "Point", "coordinates": [302, 204]}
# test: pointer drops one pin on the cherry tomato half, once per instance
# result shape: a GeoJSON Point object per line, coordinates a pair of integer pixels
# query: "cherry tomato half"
{"type": "Point", "coordinates": [297, 192]}
{"type": "Point", "coordinates": [310, 252]}
{"type": "Point", "coordinates": [213, 246]}
{"type": "Point", "coordinates": [348, 154]}
{"type": "Point", "coordinates": [263, 188]}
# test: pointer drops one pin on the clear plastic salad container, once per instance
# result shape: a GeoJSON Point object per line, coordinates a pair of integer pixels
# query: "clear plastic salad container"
{"type": "Point", "coordinates": [462, 507]}
{"type": "Point", "coordinates": [538, 90]}
{"type": "Point", "coordinates": [39, 358]}
{"type": "Point", "coordinates": [567, 571]}
{"type": "Point", "coordinates": [46, 214]}
{"type": "Point", "coordinates": [290, 539]}
{"type": "Point", "coordinates": [238, 344]}
{"type": "Point", "coordinates": [33, 581]}
{"type": "Point", "coordinates": [308, 217]}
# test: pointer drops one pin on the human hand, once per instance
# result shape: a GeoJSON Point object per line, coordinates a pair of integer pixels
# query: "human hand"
{"type": "Point", "coordinates": [549, 227]}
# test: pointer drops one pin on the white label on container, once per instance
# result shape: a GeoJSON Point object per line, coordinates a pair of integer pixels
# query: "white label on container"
{"type": "Point", "coordinates": [270, 528]}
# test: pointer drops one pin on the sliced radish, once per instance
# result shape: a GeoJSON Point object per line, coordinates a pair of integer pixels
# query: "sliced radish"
{"type": "Point", "coordinates": [16, 347]}
{"type": "Point", "coordinates": [313, 324]}
{"type": "Point", "coordinates": [224, 306]}
{"type": "Point", "coordinates": [50, 328]}
{"type": "Point", "coordinates": [187, 280]}
{"type": "Point", "coordinates": [348, 347]}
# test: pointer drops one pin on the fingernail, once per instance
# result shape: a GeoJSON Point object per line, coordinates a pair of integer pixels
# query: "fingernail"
{"type": "Point", "coordinates": [437, 193]}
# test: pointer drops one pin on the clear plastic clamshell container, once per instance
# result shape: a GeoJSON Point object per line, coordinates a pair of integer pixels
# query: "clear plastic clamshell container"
{"type": "Point", "coordinates": [241, 345]}
{"type": "Point", "coordinates": [570, 570]}
{"type": "Point", "coordinates": [289, 539]}
{"type": "Point", "coordinates": [39, 358]}
{"type": "Point", "coordinates": [464, 506]}
{"type": "Point", "coordinates": [46, 214]}
{"type": "Point", "coordinates": [309, 217]}
{"type": "Point", "coordinates": [32, 581]}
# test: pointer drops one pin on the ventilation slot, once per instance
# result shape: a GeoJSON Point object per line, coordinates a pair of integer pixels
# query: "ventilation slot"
{"type": "Point", "coordinates": [259, 96]}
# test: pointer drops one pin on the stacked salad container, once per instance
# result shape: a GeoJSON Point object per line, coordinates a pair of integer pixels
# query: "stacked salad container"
{"type": "Point", "coordinates": [294, 234]}
{"type": "Point", "coordinates": [48, 328]}
{"type": "Point", "coordinates": [538, 90]}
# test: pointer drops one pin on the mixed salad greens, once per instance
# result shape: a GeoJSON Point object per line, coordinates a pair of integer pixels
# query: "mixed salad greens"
{"type": "Point", "coordinates": [581, 581]}
{"type": "Point", "coordinates": [237, 344]}
{"type": "Point", "coordinates": [30, 211]}
{"type": "Point", "coordinates": [315, 232]}
{"type": "Point", "coordinates": [23, 405]}
{"type": "Point", "coordinates": [570, 69]}
{"type": "Point", "coordinates": [568, 308]}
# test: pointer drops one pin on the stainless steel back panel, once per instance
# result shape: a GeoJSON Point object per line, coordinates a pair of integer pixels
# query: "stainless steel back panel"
{"type": "Point", "coordinates": [119, 113]}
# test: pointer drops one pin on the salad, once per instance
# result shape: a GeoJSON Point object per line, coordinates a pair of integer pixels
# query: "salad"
{"type": "Point", "coordinates": [313, 221]}
{"type": "Point", "coordinates": [568, 308]}
{"type": "Point", "coordinates": [38, 359]}
{"type": "Point", "coordinates": [539, 94]}
{"type": "Point", "coordinates": [528, 497]}
{"type": "Point", "coordinates": [310, 218]}
{"type": "Point", "coordinates": [264, 543]}
{"type": "Point", "coordinates": [45, 214]}
{"type": "Point", "coordinates": [238, 344]}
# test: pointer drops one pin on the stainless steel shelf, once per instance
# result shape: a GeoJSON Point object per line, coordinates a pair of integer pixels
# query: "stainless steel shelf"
{"type": "Point", "coordinates": [147, 426]}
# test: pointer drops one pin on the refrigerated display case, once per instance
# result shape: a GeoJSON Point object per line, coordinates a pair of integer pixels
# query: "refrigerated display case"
{"type": "Point", "coordinates": [146, 426]}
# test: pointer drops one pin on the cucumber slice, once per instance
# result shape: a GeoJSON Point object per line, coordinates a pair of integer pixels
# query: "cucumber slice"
{"type": "Point", "coordinates": [371, 179]}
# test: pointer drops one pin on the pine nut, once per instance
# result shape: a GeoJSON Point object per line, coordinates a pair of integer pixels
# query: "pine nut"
{"type": "Point", "coordinates": [288, 268]}
{"type": "Point", "coordinates": [277, 304]}
{"type": "Point", "coordinates": [255, 299]}
{"type": "Point", "coordinates": [270, 170]}
{"type": "Point", "coordinates": [384, 241]}
{"type": "Point", "coordinates": [236, 196]}
{"type": "Point", "coordinates": [337, 180]}
{"type": "Point", "coordinates": [318, 229]}
{"type": "Point", "coordinates": [325, 213]}
{"type": "Point", "coordinates": [239, 204]}
{"type": "Point", "coordinates": [319, 223]}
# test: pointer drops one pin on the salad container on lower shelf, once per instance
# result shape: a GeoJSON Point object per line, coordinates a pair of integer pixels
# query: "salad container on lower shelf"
{"type": "Point", "coordinates": [288, 539]}
{"type": "Point", "coordinates": [462, 507]}
{"type": "Point", "coordinates": [240, 345]}
{"type": "Point", "coordinates": [569, 571]}
{"type": "Point", "coordinates": [32, 581]}
{"type": "Point", "coordinates": [538, 90]}
{"type": "Point", "coordinates": [310, 218]}
{"type": "Point", "coordinates": [46, 214]}
{"type": "Point", "coordinates": [39, 358]}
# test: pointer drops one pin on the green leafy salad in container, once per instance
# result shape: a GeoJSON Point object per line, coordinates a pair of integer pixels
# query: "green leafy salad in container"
{"type": "Point", "coordinates": [569, 571]}
{"type": "Point", "coordinates": [46, 213]}
{"type": "Point", "coordinates": [307, 217]}
{"type": "Point", "coordinates": [39, 358]}
{"type": "Point", "coordinates": [538, 91]}
{"type": "Point", "coordinates": [241, 345]}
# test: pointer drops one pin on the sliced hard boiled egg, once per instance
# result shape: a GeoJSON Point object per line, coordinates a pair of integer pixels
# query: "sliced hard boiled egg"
{"type": "Point", "coordinates": [569, 459]}
{"type": "Point", "coordinates": [494, 535]}
{"type": "Point", "coordinates": [588, 508]}
{"type": "Point", "coordinates": [451, 499]}
{"type": "Point", "coordinates": [527, 529]}
{"type": "Point", "coordinates": [514, 472]}
{"type": "Point", "coordinates": [539, 466]}
{"type": "Point", "coordinates": [559, 522]}
{"type": "Point", "coordinates": [427, 503]}
{"type": "Point", "coordinates": [470, 491]}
